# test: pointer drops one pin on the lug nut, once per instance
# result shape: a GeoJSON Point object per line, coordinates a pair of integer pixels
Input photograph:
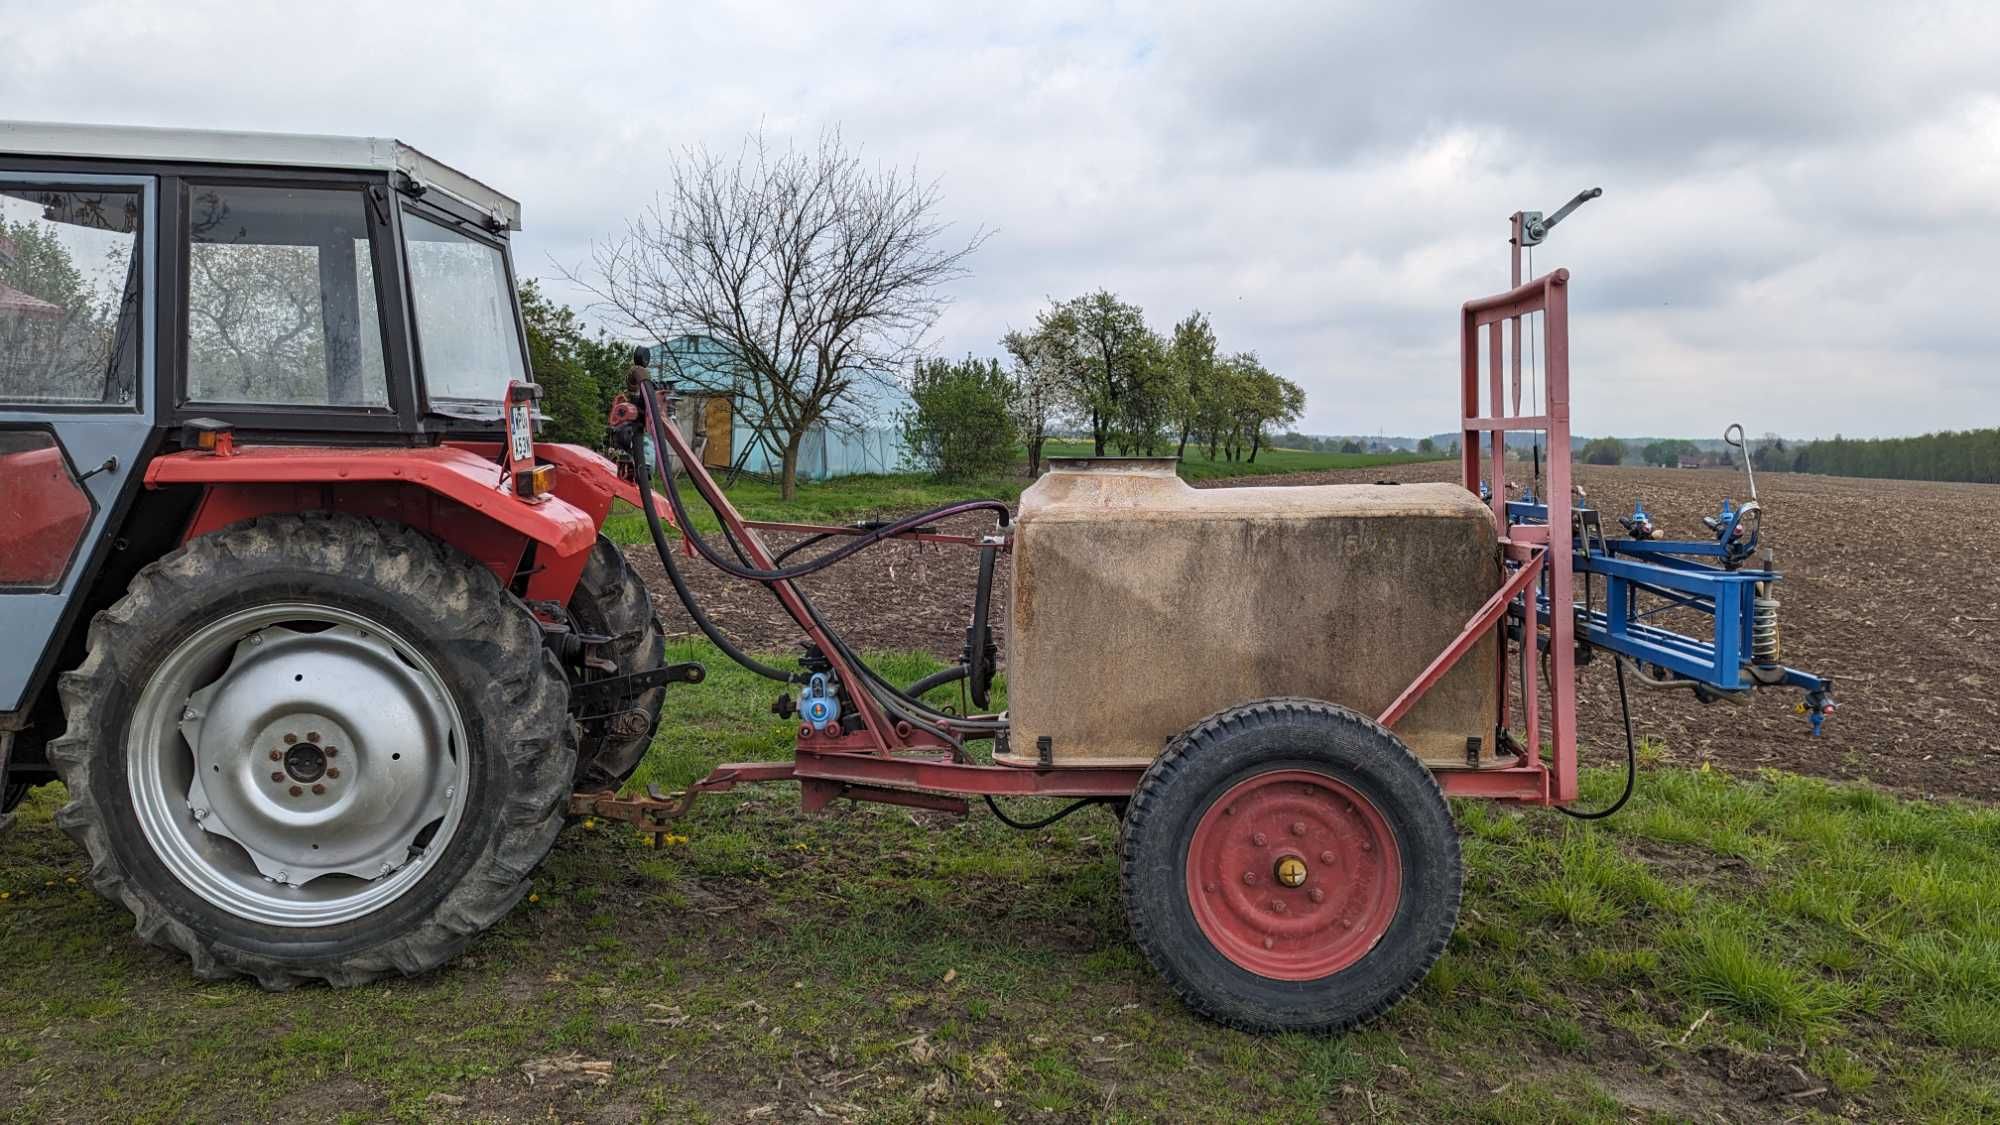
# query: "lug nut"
{"type": "Point", "coordinates": [333, 771]}
{"type": "Point", "coordinates": [297, 792]}
{"type": "Point", "coordinates": [290, 738]}
{"type": "Point", "coordinates": [277, 775]}
{"type": "Point", "coordinates": [1298, 828]}
{"type": "Point", "coordinates": [1258, 839]}
{"type": "Point", "coordinates": [1250, 877]}
{"type": "Point", "coordinates": [1316, 895]}
{"type": "Point", "coordinates": [312, 736]}
{"type": "Point", "coordinates": [1326, 857]}
{"type": "Point", "coordinates": [331, 751]}
{"type": "Point", "coordinates": [318, 789]}
{"type": "Point", "coordinates": [277, 755]}
{"type": "Point", "coordinates": [1277, 906]}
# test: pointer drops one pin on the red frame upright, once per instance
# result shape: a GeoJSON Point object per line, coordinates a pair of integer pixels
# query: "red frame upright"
{"type": "Point", "coordinates": [1541, 552]}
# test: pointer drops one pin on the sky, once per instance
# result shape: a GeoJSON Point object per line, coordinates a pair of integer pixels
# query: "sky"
{"type": "Point", "coordinates": [1800, 226]}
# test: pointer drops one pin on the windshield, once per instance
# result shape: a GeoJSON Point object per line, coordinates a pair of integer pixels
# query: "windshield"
{"type": "Point", "coordinates": [466, 332]}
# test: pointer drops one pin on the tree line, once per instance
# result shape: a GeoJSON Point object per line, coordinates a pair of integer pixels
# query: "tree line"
{"type": "Point", "coordinates": [1092, 365]}
{"type": "Point", "coordinates": [1970, 456]}
{"type": "Point", "coordinates": [1951, 455]}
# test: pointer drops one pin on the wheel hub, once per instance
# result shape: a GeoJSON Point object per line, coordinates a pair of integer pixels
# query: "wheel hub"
{"type": "Point", "coordinates": [1258, 899]}
{"type": "Point", "coordinates": [305, 762]}
{"type": "Point", "coordinates": [307, 749]}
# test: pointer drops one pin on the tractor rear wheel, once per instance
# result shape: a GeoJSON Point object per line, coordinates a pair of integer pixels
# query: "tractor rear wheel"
{"type": "Point", "coordinates": [315, 748]}
{"type": "Point", "coordinates": [1289, 865]}
{"type": "Point", "coordinates": [611, 601]}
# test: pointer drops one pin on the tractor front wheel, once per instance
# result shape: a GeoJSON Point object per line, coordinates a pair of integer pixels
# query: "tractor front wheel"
{"type": "Point", "coordinates": [1289, 865]}
{"type": "Point", "coordinates": [315, 748]}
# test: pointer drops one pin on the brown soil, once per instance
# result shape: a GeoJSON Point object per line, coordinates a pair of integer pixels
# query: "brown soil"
{"type": "Point", "coordinates": [1890, 587]}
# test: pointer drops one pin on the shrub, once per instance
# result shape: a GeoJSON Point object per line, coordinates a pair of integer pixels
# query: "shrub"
{"type": "Point", "coordinates": [958, 426]}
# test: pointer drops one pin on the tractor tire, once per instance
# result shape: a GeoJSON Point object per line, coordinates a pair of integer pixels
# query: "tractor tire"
{"type": "Point", "coordinates": [309, 680]}
{"type": "Point", "coordinates": [610, 600]}
{"type": "Point", "coordinates": [1288, 865]}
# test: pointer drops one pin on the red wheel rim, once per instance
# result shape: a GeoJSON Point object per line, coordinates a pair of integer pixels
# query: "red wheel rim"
{"type": "Point", "coordinates": [1240, 861]}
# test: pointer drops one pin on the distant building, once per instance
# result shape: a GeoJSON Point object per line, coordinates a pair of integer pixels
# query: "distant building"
{"type": "Point", "coordinates": [721, 418]}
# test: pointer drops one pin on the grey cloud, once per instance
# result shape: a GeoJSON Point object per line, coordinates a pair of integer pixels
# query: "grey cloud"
{"type": "Point", "coordinates": [1802, 208]}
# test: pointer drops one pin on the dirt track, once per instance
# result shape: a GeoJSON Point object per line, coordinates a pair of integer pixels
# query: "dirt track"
{"type": "Point", "coordinates": [1891, 587]}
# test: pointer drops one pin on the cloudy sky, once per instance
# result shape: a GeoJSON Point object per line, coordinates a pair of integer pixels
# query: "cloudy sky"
{"type": "Point", "coordinates": [1800, 226]}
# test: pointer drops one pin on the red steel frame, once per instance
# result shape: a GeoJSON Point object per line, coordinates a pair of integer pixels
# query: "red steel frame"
{"type": "Point", "coordinates": [893, 763]}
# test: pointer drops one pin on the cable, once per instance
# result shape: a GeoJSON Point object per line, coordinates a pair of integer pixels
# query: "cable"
{"type": "Point", "coordinates": [1031, 825]}
{"type": "Point", "coordinates": [1631, 755]}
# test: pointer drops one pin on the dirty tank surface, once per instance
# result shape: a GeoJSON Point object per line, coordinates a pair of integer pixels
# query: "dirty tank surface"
{"type": "Point", "coordinates": [1141, 605]}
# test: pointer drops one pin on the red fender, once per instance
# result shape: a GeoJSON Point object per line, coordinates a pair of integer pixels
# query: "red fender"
{"type": "Point", "coordinates": [448, 490]}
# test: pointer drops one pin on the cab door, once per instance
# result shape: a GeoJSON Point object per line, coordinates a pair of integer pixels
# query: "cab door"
{"type": "Point", "coordinates": [77, 285]}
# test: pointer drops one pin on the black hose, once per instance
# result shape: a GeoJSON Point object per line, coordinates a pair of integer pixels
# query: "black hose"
{"type": "Point", "coordinates": [892, 699]}
{"type": "Point", "coordinates": [821, 562]}
{"type": "Point", "coordinates": [666, 553]}
{"type": "Point", "coordinates": [1631, 755]}
{"type": "Point", "coordinates": [800, 545]}
{"type": "Point", "coordinates": [978, 668]}
{"type": "Point", "coordinates": [936, 680]}
{"type": "Point", "coordinates": [1031, 825]}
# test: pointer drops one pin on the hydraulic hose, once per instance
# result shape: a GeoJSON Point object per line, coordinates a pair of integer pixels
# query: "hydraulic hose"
{"type": "Point", "coordinates": [821, 562]}
{"type": "Point", "coordinates": [937, 680]}
{"type": "Point", "coordinates": [666, 552]}
{"type": "Point", "coordinates": [893, 700]}
{"type": "Point", "coordinates": [1031, 825]}
{"type": "Point", "coordinates": [1631, 755]}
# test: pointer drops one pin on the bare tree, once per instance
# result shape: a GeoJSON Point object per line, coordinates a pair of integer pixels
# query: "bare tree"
{"type": "Point", "coordinates": [817, 274]}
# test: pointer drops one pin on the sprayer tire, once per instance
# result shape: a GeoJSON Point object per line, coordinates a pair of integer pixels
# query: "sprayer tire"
{"type": "Point", "coordinates": [477, 643]}
{"type": "Point", "coordinates": [1330, 783]}
{"type": "Point", "coordinates": [611, 601]}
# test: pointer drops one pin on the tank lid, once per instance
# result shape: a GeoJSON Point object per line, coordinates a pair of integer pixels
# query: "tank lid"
{"type": "Point", "coordinates": [1149, 466]}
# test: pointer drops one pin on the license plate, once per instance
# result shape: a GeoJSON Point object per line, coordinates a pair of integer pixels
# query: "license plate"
{"type": "Point", "coordinates": [522, 433]}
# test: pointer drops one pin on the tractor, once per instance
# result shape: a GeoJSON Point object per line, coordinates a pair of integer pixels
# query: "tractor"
{"type": "Point", "coordinates": [327, 647]}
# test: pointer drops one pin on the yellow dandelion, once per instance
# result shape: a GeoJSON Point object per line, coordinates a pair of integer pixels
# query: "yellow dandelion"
{"type": "Point", "coordinates": [534, 898]}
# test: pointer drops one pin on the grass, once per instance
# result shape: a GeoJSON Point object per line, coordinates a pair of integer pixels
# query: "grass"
{"type": "Point", "coordinates": [1675, 962]}
{"type": "Point", "coordinates": [855, 497]}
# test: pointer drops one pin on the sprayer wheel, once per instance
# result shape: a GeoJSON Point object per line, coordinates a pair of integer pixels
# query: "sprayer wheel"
{"type": "Point", "coordinates": [1288, 865]}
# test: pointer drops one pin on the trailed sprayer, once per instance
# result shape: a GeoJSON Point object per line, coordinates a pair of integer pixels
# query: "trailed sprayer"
{"type": "Point", "coordinates": [326, 645]}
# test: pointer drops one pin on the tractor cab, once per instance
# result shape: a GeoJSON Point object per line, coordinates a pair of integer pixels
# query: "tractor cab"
{"type": "Point", "coordinates": [283, 284]}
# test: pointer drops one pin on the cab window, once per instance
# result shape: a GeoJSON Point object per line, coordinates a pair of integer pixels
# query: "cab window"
{"type": "Point", "coordinates": [467, 335]}
{"type": "Point", "coordinates": [282, 306]}
{"type": "Point", "coordinates": [70, 293]}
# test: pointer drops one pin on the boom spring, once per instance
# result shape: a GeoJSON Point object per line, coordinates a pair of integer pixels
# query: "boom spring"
{"type": "Point", "coordinates": [1764, 644]}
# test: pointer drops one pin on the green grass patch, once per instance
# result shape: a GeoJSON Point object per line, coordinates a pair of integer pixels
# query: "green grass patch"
{"type": "Point", "coordinates": [1675, 962]}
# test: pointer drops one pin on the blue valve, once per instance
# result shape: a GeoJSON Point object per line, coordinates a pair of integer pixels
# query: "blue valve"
{"type": "Point", "coordinates": [1639, 524]}
{"type": "Point", "coordinates": [817, 704]}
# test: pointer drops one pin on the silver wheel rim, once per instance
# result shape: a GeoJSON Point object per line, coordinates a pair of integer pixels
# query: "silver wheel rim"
{"type": "Point", "coordinates": [297, 764]}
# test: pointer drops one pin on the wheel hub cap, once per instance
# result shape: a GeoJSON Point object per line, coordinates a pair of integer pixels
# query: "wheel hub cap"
{"type": "Point", "coordinates": [1269, 908]}
{"type": "Point", "coordinates": [309, 763]}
